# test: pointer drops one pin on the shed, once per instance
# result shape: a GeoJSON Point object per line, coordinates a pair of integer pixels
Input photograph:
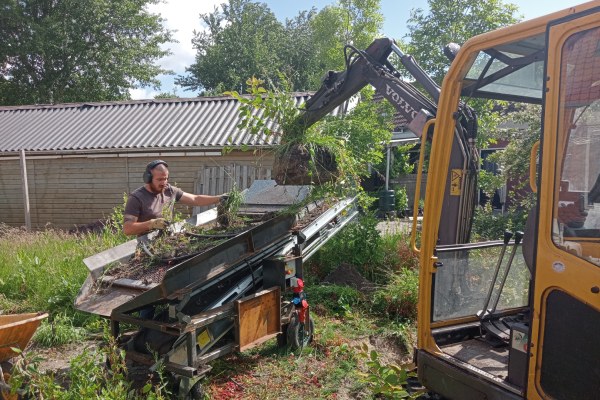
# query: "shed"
{"type": "Point", "coordinates": [74, 163]}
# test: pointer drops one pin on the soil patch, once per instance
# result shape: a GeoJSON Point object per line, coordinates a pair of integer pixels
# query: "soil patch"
{"type": "Point", "coordinates": [301, 166]}
{"type": "Point", "coordinates": [347, 275]}
{"type": "Point", "coordinates": [152, 259]}
{"type": "Point", "coordinates": [58, 359]}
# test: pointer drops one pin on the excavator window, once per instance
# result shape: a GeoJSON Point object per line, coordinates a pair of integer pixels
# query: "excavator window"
{"type": "Point", "coordinates": [513, 72]}
{"type": "Point", "coordinates": [462, 284]}
{"type": "Point", "coordinates": [576, 226]}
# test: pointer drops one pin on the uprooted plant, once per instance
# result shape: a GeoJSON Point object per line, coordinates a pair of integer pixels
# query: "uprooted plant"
{"type": "Point", "coordinates": [334, 150]}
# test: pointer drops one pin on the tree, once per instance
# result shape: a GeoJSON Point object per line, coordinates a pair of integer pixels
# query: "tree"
{"type": "Point", "coordinates": [355, 22]}
{"type": "Point", "coordinates": [245, 39]}
{"type": "Point", "coordinates": [514, 159]}
{"type": "Point", "coordinates": [452, 21]}
{"type": "Point", "coordinates": [320, 39]}
{"type": "Point", "coordinates": [78, 50]}
{"type": "Point", "coordinates": [239, 42]}
{"type": "Point", "coordinates": [298, 50]}
{"type": "Point", "coordinates": [457, 21]}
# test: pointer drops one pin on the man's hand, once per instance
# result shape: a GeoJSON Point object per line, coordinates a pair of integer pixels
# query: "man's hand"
{"type": "Point", "coordinates": [223, 199]}
{"type": "Point", "coordinates": [158, 223]}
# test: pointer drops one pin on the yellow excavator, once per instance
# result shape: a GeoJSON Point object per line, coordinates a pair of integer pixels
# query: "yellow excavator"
{"type": "Point", "coordinates": [517, 318]}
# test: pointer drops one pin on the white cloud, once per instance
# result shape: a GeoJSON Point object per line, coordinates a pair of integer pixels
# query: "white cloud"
{"type": "Point", "coordinates": [183, 17]}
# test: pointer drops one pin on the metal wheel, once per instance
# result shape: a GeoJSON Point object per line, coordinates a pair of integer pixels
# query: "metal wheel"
{"type": "Point", "coordinates": [282, 340]}
{"type": "Point", "coordinates": [197, 392]}
{"type": "Point", "coordinates": [297, 334]}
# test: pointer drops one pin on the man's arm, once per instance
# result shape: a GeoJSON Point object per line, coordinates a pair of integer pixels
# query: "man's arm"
{"type": "Point", "coordinates": [131, 226]}
{"type": "Point", "coordinates": [198, 200]}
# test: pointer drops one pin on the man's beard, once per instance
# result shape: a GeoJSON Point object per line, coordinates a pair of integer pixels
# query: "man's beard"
{"type": "Point", "coordinates": [156, 189]}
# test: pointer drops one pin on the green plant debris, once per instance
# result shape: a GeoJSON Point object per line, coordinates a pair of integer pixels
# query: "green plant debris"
{"type": "Point", "coordinates": [227, 210]}
{"type": "Point", "coordinates": [334, 151]}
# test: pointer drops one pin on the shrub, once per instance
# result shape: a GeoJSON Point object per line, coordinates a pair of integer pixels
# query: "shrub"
{"type": "Point", "coordinates": [488, 225]}
{"type": "Point", "coordinates": [397, 300]}
{"type": "Point", "coordinates": [400, 199]}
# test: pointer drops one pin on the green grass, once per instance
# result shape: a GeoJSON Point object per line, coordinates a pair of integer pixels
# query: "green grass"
{"type": "Point", "coordinates": [58, 331]}
{"type": "Point", "coordinates": [43, 271]}
{"type": "Point", "coordinates": [269, 372]}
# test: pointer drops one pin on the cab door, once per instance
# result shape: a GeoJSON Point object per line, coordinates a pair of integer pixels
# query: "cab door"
{"type": "Point", "coordinates": [565, 330]}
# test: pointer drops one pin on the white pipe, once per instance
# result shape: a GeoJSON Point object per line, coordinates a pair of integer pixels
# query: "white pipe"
{"type": "Point", "coordinates": [25, 190]}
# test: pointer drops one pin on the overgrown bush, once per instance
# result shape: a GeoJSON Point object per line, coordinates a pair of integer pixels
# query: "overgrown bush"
{"type": "Point", "coordinates": [398, 299]}
{"type": "Point", "coordinates": [396, 253]}
{"type": "Point", "coordinates": [358, 244]}
{"type": "Point", "coordinates": [400, 199]}
{"type": "Point", "coordinates": [88, 377]}
{"type": "Point", "coordinates": [490, 225]}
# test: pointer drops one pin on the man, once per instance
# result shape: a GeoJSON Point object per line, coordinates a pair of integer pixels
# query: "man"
{"type": "Point", "coordinates": [145, 205]}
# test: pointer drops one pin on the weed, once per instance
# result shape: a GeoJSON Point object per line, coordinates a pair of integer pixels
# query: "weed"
{"type": "Point", "coordinates": [88, 377]}
{"type": "Point", "coordinates": [358, 244]}
{"type": "Point", "coordinates": [58, 331]}
{"type": "Point", "coordinates": [387, 380]}
{"type": "Point", "coordinates": [228, 209]}
{"type": "Point", "coordinates": [112, 232]}
{"type": "Point", "coordinates": [337, 300]}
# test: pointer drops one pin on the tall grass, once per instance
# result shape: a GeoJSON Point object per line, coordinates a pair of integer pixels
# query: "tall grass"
{"type": "Point", "coordinates": [44, 270]}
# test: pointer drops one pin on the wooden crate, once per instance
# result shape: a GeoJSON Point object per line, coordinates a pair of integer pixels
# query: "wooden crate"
{"type": "Point", "coordinates": [258, 318]}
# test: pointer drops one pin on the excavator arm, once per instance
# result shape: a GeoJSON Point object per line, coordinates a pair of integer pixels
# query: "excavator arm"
{"type": "Point", "coordinates": [372, 66]}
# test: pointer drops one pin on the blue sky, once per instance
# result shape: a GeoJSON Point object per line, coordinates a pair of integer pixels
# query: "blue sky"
{"type": "Point", "coordinates": [397, 12]}
{"type": "Point", "coordinates": [183, 16]}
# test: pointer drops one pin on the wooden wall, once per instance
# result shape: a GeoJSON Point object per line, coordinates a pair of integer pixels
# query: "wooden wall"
{"type": "Point", "coordinates": [410, 183]}
{"type": "Point", "coordinates": [65, 192]}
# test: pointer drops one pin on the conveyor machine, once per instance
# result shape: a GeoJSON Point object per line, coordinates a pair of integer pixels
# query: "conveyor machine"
{"type": "Point", "coordinates": [231, 297]}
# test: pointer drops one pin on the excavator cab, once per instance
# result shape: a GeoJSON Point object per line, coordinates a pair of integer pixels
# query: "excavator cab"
{"type": "Point", "coordinates": [519, 317]}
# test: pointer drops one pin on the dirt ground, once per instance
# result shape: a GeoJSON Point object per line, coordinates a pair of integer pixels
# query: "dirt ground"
{"type": "Point", "coordinates": [57, 359]}
{"type": "Point", "coordinates": [346, 275]}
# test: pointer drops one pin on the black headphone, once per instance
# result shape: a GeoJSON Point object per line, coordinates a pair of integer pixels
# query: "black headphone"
{"type": "Point", "coordinates": [151, 165]}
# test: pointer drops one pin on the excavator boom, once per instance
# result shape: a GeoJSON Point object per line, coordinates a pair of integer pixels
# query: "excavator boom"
{"type": "Point", "coordinates": [372, 66]}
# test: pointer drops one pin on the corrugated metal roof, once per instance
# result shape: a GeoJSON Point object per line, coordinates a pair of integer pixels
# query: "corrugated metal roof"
{"type": "Point", "coordinates": [198, 123]}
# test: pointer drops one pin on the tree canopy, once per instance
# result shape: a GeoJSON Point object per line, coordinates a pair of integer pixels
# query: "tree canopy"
{"type": "Point", "coordinates": [240, 41]}
{"type": "Point", "coordinates": [244, 39]}
{"type": "Point", "coordinates": [78, 50]}
{"type": "Point", "coordinates": [455, 21]}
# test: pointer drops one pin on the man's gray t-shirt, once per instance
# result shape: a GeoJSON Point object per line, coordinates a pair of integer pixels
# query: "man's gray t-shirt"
{"type": "Point", "coordinates": [146, 205]}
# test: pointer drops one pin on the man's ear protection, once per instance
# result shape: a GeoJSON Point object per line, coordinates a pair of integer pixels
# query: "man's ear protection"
{"type": "Point", "coordinates": [151, 165]}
